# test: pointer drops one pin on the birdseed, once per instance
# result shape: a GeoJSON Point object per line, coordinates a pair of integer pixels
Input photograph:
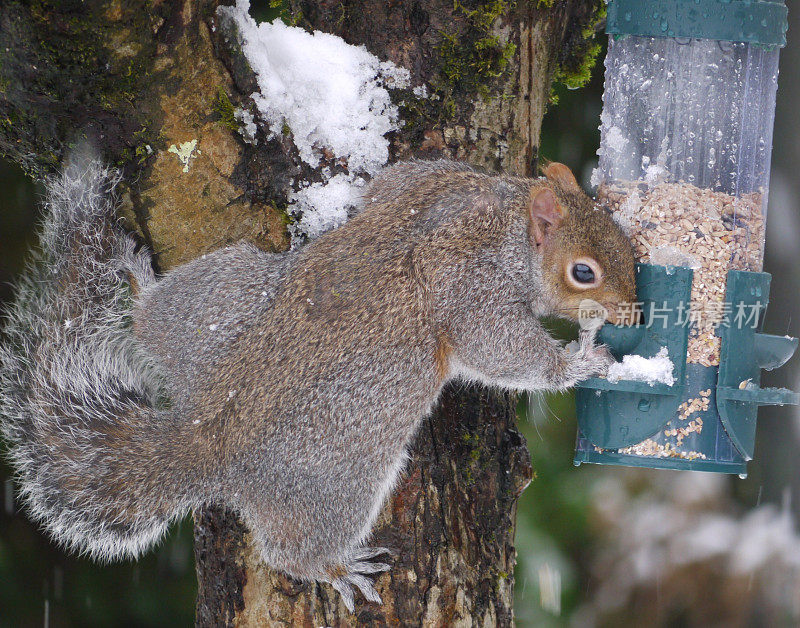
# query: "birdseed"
{"type": "Point", "coordinates": [649, 447]}
{"type": "Point", "coordinates": [681, 224]}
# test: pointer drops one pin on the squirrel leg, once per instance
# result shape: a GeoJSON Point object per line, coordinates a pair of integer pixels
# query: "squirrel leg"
{"type": "Point", "coordinates": [563, 369]}
{"type": "Point", "coordinates": [510, 347]}
{"type": "Point", "coordinates": [317, 535]}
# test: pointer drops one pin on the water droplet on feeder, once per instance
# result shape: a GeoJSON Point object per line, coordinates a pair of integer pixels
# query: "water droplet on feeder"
{"type": "Point", "coordinates": [742, 476]}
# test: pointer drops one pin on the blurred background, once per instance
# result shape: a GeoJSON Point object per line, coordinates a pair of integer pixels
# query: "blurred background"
{"type": "Point", "coordinates": [598, 546]}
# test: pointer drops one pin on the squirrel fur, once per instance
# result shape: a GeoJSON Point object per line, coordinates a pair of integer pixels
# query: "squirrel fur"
{"type": "Point", "coordinates": [286, 387]}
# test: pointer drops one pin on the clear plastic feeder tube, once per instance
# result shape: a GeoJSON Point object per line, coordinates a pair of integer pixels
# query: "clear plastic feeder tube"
{"type": "Point", "coordinates": [685, 153]}
{"type": "Point", "coordinates": [684, 161]}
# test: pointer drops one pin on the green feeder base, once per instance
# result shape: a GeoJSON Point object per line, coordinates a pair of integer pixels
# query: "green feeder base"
{"type": "Point", "coordinates": [623, 460]}
{"type": "Point", "coordinates": [706, 449]}
{"type": "Point", "coordinates": [706, 420]}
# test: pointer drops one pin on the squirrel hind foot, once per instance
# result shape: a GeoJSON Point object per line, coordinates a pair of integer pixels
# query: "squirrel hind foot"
{"type": "Point", "coordinates": [355, 573]}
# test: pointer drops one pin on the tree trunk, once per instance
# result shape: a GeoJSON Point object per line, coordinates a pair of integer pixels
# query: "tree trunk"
{"type": "Point", "coordinates": [142, 76]}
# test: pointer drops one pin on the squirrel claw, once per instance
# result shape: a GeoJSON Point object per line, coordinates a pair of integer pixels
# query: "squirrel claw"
{"type": "Point", "coordinates": [356, 572]}
{"type": "Point", "coordinates": [344, 585]}
{"type": "Point", "coordinates": [346, 591]}
{"type": "Point", "coordinates": [365, 553]}
{"type": "Point", "coordinates": [366, 587]}
{"type": "Point", "coordinates": [590, 360]}
{"type": "Point", "coordinates": [367, 567]}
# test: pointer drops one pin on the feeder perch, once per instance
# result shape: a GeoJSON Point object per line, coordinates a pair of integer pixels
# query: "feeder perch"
{"type": "Point", "coordinates": [687, 122]}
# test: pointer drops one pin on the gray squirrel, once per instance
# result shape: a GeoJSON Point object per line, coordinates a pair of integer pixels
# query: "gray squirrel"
{"type": "Point", "coordinates": [286, 387]}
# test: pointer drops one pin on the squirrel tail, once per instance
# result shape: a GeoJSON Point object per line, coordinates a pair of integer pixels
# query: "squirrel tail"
{"type": "Point", "coordinates": [81, 405]}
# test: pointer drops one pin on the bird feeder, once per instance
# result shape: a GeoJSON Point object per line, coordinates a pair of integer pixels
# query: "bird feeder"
{"type": "Point", "coordinates": [687, 121]}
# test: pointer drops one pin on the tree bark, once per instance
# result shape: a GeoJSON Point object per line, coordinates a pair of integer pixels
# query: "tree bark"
{"type": "Point", "coordinates": [141, 76]}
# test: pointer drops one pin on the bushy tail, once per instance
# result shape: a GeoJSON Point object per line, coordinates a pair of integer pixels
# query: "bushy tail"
{"type": "Point", "coordinates": [78, 398]}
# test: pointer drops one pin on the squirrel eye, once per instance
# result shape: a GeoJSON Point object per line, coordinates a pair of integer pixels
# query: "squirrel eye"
{"type": "Point", "coordinates": [583, 273]}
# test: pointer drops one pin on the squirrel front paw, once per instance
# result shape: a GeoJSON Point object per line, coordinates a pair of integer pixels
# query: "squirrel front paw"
{"type": "Point", "coordinates": [354, 573]}
{"type": "Point", "coordinates": [590, 360]}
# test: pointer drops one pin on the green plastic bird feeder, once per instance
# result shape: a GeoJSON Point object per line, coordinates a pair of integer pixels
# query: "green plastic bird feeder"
{"type": "Point", "coordinates": [688, 113]}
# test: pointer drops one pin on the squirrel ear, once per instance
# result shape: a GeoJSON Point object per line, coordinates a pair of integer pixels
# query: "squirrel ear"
{"type": "Point", "coordinates": [545, 213]}
{"type": "Point", "coordinates": [560, 174]}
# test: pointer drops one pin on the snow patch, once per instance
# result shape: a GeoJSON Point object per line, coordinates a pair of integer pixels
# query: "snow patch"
{"type": "Point", "coordinates": [247, 125]}
{"type": "Point", "coordinates": [666, 255]}
{"type": "Point", "coordinates": [333, 97]}
{"type": "Point", "coordinates": [615, 140]}
{"type": "Point", "coordinates": [658, 369]}
{"type": "Point", "coordinates": [655, 174]}
{"type": "Point", "coordinates": [330, 94]}
{"type": "Point", "coordinates": [625, 217]}
{"type": "Point", "coordinates": [597, 177]}
{"type": "Point", "coordinates": [324, 206]}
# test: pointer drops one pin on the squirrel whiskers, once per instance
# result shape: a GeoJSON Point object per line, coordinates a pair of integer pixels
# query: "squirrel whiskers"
{"type": "Point", "coordinates": [286, 387]}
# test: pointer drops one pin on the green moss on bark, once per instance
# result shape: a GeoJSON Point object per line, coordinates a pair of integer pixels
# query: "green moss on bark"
{"type": "Point", "coordinates": [52, 86]}
{"type": "Point", "coordinates": [472, 58]}
{"type": "Point", "coordinates": [580, 51]}
{"type": "Point", "coordinates": [223, 107]}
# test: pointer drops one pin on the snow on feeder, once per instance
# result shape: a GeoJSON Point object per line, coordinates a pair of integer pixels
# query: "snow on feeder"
{"type": "Point", "coordinates": [688, 112]}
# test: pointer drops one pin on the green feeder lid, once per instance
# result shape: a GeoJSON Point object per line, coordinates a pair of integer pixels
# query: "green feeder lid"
{"type": "Point", "coordinates": [762, 22]}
